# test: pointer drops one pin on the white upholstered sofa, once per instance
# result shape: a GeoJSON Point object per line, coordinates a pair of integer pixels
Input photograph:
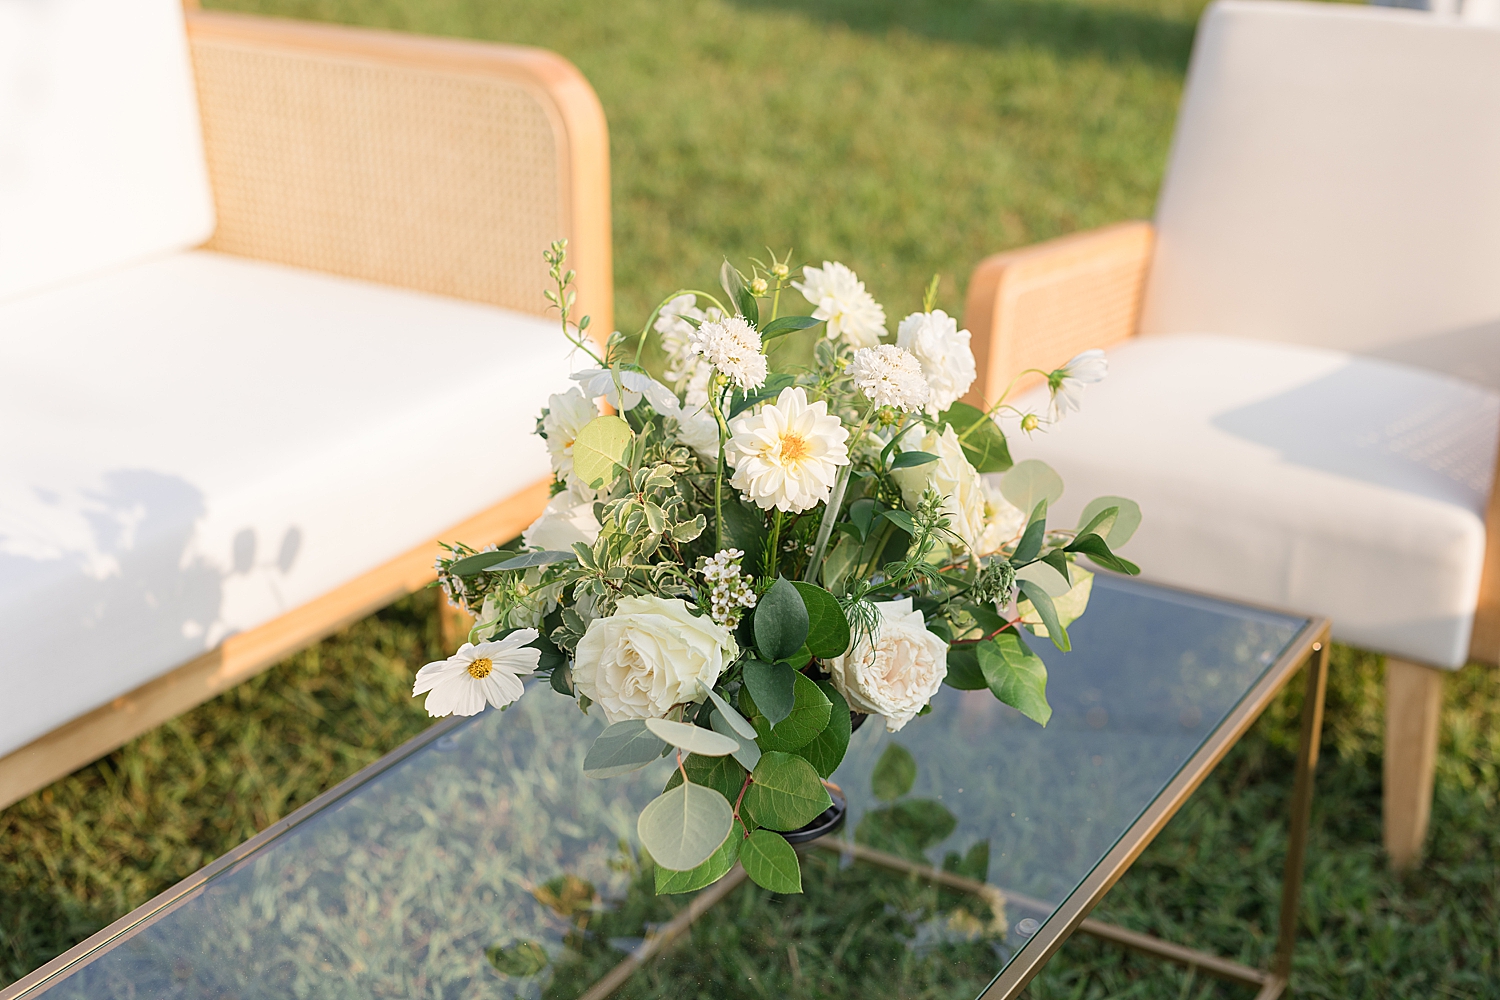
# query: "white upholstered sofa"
{"type": "Point", "coordinates": [271, 324]}
{"type": "Point", "coordinates": [1304, 347]}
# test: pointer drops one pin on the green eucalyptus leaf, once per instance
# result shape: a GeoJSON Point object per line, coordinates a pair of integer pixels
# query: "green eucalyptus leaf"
{"type": "Point", "coordinates": [481, 561]}
{"type": "Point", "coordinates": [599, 450]}
{"type": "Point", "coordinates": [1046, 576]}
{"type": "Point", "coordinates": [1032, 538]}
{"type": "Point", "coordinates": [1016, 675]}
{"type": "Point", "coordinates": [784, 325]}
{"type": "Point", "coordinates": [736, 721]}
{"type": "Point", "coordinates": [985, 446]}
{"type": "Point", "coordinates": [530, 559]}
{"type": "Point", "coordinates": [715, 868]}
{"type": "Point", "coordinates": [683, 827]}
{"type": "Point", "coordinates": [785, 792]}
{"type": "Point", "coordinates": [902, 520]}
{"type": "Point", "coordinates": [862, 515]}
{"type": "Point", "coordinates": [781, 621]}
{"type": "Point", "coordinates": [1042, 601]}
{"type": "Point", "coordinates": [963, 669]}
{"type": "Point", "coordinates": [772, 686]}
{"type": "Point", "coordinates": [770, 390]}
{"type": "Point", "coordinates": [724, 775]}
{"type": "Point", "coordinates": [810, 713]}
{"type": "Point", "coordinates": [826, 751]}
{"type": "Point", "coordinates": [1030, 482]}
{"type": "Point", "coordinates": [625, 746]}
{"type": "Point", "coordinates": [693, 739]}
{"type": "Point", "coordinates": [1127, 518]}
{"type": "Point", "coordinates": [771, 862]}
{"type": "Point", "coordinates": [827, 627]}
{"type": "Point", "coordinates": [894, 774]}
{"type": "Point", "coordinates": [749, 752]}
{"type": "Point", "coordinates": [1098, 552]}
{"type": "Point", "coordinates": [911, 459]}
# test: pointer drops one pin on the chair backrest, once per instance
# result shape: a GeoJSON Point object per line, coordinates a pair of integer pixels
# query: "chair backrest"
{"type": "Point", "coordinates": [101, 161]}
{"type": "Point", "coordinates": [1334, 180]}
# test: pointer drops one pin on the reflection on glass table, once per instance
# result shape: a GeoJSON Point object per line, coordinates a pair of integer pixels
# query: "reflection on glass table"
{"type": "Point", "coordinates": [483, 864]}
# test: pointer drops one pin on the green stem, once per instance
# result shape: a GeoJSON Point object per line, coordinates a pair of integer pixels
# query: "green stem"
{"type": "Point", "coordinates": [825, 530]}
{"type": "Point", "coordinates": [718, 412]}
{"type": "Point", "coordinates": [774, 555]}
{"type": "Point", "coordinates": [995, 407]}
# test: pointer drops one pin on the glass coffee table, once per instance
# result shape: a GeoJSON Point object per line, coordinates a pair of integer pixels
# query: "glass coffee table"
{"type": "Point", "coordinates": [477, 861]}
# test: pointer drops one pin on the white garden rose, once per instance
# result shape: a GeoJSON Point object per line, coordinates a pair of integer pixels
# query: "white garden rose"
{"type": "Point", "coordinates": [651, 654]}
{"type": "Point", "coordinates": [896, 675]}
{"type": "Point", "coordinates": [953, 477]}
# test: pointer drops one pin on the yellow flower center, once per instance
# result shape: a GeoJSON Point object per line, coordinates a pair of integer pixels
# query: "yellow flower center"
{"type": "Point", "coordinates": [794, 447]}
{"type": "Point", "coordinates": [480, 668]}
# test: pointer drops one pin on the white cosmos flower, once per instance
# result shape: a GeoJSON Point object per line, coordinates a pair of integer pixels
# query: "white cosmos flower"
{"type": "Point", "coordinates": [1068, 381]}
{"type": "Point", "coordinates": [890, 377]}
{"type": "Point", "coordinates": [943, 349]}
{"type": "Point", "coordinates": [567, 518]}
{"type": "Point", "coordinates": [489, 672]}
{"type": "Point", "coordinates": [733, 347]}
{"type": "Point", "coordinates": [896, 675]}
{"type": "Point", "coordinates": [842, 302]}
{"type": "Point", "coordinates": [786, 456]}
{"type": "Point", "coordinates": [567, 413]}
{"type": "Point", "coordinates": [598, 382]}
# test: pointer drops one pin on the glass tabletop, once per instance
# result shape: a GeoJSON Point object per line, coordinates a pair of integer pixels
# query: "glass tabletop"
{"type": "Point", "coordinates": [484, 864]}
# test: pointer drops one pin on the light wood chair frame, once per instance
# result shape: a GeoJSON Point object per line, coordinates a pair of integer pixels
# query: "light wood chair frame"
{"type": "Point", "coordinates": [427, 68]}
{"type": "Point", "coordinates": [1037, 306]}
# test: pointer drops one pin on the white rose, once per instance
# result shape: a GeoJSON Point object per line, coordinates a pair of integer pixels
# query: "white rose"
{"type": "Point", "coordinates": [953, 477]}
{"type": "Point", "coordinates": [943, 349]}
{"type": "Point", "coordinates": [897, 675]}
{"type": "Point", "coordinates": [567, 518]}
{"type": "Point", "coordinates": [649, 655]}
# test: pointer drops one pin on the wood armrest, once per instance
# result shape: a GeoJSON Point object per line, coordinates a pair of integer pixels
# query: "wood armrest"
{"type": "Point", "coordinates": [1039, 306]}
{"type": "Point", "coordinates": [1484, 642]}
{"type": "Point", "coordinates": [442, 165]}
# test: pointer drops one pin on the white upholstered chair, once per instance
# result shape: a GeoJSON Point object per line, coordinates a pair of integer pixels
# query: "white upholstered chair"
{"type": "Point", "coordinates": [271, 323]}
{"type": "Point", "coordinates": [1304, 346]}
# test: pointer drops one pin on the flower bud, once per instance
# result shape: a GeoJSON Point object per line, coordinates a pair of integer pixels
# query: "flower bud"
{"type": "Point", "coordinates": [758, 286]}
{"type": "Point", "coordinates": [780, 270]}
{"type": "Point", "coordinates": [1029, 423]}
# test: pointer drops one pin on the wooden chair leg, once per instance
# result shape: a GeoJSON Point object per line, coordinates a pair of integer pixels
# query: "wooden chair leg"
{"type": "Point", "coordinates": [1413, 702]}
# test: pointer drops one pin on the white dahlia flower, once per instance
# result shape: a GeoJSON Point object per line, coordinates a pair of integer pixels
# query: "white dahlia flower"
{"type": "Point", "coordinates": [890, 377]}
{"type": "Point", "coordinates": [567, 413]}
{"type": "Point", "coordinates": [489, 672]}
{"type": "Point", "coordinates": [897, 674]}
{"type": "Point", "coordinates": [943, 349]}
{"type": "Point", "coordinates": [842, 302]}
{"type": "Point", "coordinates": [786, 456]}
{"type": "Point", "coordinates": [733, 347]}
{"type": "Point", "coordinates": [1067, 382]}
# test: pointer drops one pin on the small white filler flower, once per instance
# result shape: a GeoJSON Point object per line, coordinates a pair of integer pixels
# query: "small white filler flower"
{"type": "Point", "coordinates": [787, 455]}
{"type": "Point", "coordinates": [943, 349]}
{"type": "Point", "coordinates": [1067, 382]}
{"type": "Point", "coordinates": [733, 347]}
{"type": "Point", "coordinates": [842, 302]}
{"type": "Point", "coordinates": [890, 377]}
{"type": "Point", "coordinates": [489, 672]}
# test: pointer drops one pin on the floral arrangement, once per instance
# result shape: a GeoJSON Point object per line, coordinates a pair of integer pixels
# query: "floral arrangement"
{"type": "Point", "coordinates": [738, 564]}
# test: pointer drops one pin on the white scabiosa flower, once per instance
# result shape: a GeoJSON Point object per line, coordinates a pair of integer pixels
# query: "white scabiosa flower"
{"type": "Point", "coordinates": [890, 377]}
{"type": "Point", "coordinates": [567, 413]}
{"type": "Point", "coordinates": [787, 455]}
{"type": "Point", "coordinates": [895, 672]}
{"type": "Point", "coordinates": [489, 672]}
{"type": "Point", "coordinates": [1067, 382]}
{"type": "Point", "coordinates": [842, 302]}
{"type": "Point", "coordinates": [935, 340]}
{"type": "Point", "coordinates": [733, 347]}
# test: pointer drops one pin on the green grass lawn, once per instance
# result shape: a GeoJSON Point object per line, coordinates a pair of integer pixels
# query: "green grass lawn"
{"type": "Point", "coordinates": [904, 138]}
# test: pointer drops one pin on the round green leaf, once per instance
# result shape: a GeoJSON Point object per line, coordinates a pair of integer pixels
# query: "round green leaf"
{"type": "Point", "coordinates": [1016, 675]}
{"type": "Point", "coordinates": [810, 713]}
{"type": "Point", "coordinates": [771, 862]}
{"type": "Point", "coordinates": [599, 450]}
{"type": "Point", "coordinates": [984, 446]}
{"type": "Point", "coordinates": [749, 752]}
{"type": "Point", "coordinates": [623, 747]}
{"type": "Point", "coordinates": [1126, 521]}
{"type": "Point", "coordinates": [723, 774]}
{"type": "Point", "coordinates": [894, 774]}
{"type": "Point", "coordinates": [780, 621]}
{"type": "Point", "coordinates": [827, 627]}
{"type": "Point", "coordinates": [785, 792]}
{"type": "Point", "coordinates": [773, 688]}
{"type": "Point", "coordinates": [1029, 483]}
{"type": "Point", "coordinates": [826, 751]}
{"type": "Point", "coordinates": [683, 827]}
{"type": "Point", "coordinates": [715, 868]}
{"type": "Point", "coordinates": [693, 739]}
{"type": "Point", "coordinates": [735, 720]}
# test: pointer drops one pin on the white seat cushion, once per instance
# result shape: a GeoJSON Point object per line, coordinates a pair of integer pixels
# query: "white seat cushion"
{"type": "Point", "coordinates": [1295, 477]}
{"type": "Point", "coordinates": [193, 446]}
{"type": "Point", "coordinates": [101, 157]}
